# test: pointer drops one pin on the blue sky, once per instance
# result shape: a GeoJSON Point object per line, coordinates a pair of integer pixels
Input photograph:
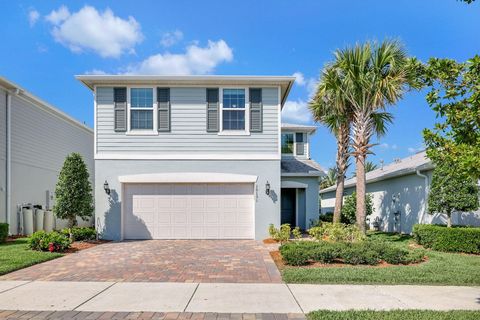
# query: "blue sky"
{"type": "Point", "coordinates": [45, 43]}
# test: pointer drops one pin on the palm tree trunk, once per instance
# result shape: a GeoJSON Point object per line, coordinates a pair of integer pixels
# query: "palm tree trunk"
{"type": "Point", "coordinates": [361, 205]}
{"type": "Point", "coordinates": [449, 220]}
{"type": "Point", "coordinates": [342, 160]}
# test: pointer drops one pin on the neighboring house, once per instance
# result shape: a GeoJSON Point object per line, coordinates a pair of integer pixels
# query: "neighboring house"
{"type": "Point", "coordinates": [198, 157]}
{"type": "Point", "coordinates": [35, 139]}
{"type": "Point", "coordinates": [400, 193]}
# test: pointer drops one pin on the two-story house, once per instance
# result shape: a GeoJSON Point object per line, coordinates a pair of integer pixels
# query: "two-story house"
{"type": "Point", "coordinates": [198, 157]}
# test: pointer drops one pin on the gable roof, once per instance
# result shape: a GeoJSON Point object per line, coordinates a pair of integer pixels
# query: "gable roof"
{"type": "Point", "coordinates": [21, 92]}
{"type": "Point", "coordinates": [400, 167]}
{"type": "Point", "coordinates": [301, 167]}
{"type": "Point", "coordinates": [298, 127]}
{"type": "Point", "coordinates": [285, 82]}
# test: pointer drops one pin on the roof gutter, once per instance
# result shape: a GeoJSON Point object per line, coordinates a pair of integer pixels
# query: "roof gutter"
{"type": "Point", "coordinates": [8, 166]}
{"type": "Point", "coordinates": [425, 209]}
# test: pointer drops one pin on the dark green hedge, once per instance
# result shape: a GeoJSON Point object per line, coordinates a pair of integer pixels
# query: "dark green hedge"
{"type": "Point", "coordinates": [3, 232]}
{"type": "Point", "coordinates": [81, 233]}
{"type": "Point", "coordinates": [298, 253]}
{"type": "Point", "coordinates": [441, 238]}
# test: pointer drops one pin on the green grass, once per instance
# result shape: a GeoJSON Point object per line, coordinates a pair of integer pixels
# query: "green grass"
{"type": "Point", "coordinates": [394, 315]}
{"type": "Point", "coordinates": [16, 255]}
{"type": "Point", "coordinates": [440, 269]}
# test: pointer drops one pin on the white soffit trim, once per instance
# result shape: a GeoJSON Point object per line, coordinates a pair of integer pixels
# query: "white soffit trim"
{"type": "Point", "coordinates": [188, 177]}
{"type": "Point", "coordinates": [294, 185]}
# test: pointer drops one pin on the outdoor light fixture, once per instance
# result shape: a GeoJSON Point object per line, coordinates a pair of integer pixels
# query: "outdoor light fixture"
{"type": "Point", "coordinates": [106, 187]}
{"type": "Point", "coordinates": [267, 188]}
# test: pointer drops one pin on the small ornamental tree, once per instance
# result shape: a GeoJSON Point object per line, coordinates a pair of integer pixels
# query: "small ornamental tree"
{"type": "Point", "coordinates": [451, 190]}
{"type": "Point", "coordinates": [349, 208]}
{"type": "Point", "coordinates": [73, 193]}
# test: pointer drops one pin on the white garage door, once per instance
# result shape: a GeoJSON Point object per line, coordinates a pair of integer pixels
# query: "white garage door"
{"type": "Point", "coordinates": [188, 211]}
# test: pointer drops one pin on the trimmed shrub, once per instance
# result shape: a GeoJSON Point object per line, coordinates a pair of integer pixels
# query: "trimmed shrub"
{"type": "Point", "coordinates": [368, 253]}
{"type": "Point", "coordinates": [3, 232]}
{"type": "Point", "coordinates": [337, 232]}
{"type": "Point", "coordinates": [454, 239]}
{"type": "Point", "coordinates": [295, 254]}
{"type": "Point", "coordinates": [48, 241]}
{"type": "Point", "coordinates": [80, 233]}
{"type": "Point", "coordinates": [281, 235]}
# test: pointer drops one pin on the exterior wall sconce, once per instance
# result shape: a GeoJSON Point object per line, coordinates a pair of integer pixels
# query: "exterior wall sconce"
{"type": "Point", "coordinates": [267, 188]}
{"type": "Point", "coordinates": [106, 187]}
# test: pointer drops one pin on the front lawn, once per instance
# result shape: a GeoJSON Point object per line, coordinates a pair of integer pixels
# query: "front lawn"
{"type": "Point", "coordinates": [439, 269]}
{"type": "Point", "coordinates": [394, 315]}
{"type": "Point", "coordinates": [16, 255]}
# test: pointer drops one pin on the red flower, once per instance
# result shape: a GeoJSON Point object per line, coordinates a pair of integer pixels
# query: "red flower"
{"type": "Point", "coordinates": [51, 247]}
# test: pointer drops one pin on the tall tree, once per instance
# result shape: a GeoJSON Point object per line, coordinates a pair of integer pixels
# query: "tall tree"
{"type": "Point", "coordinates": [373, 76]}
{"type": "Point", "coordinates": [73, 193]}
{"type": "Point", "coordinates": [454, 94]}
{"type": "Point", "coordinates": [330, 107]}
{"type": "Point", "coordinates": [452, 190]}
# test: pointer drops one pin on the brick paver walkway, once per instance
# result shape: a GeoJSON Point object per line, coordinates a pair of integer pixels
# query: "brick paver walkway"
{"type": "Point", "coordinates": [234, 261]}
{"type": "Point", "coordinates": [12, 314]}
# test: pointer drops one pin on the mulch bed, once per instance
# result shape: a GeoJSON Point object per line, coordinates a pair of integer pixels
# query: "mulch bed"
{"type": "Point", "coordinates": [269, 241]}
{"type": "Point", "coordinates": [82, 245]}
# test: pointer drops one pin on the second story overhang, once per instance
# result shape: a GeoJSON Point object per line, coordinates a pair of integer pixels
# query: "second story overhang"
{"type": "Point", "coordinates": [284, 82]}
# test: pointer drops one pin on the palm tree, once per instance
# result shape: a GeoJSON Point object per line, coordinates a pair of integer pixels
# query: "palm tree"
{"type": "Point", "coordinates": [330, 179]}
{"type": "Point", "coordinates": [373, 77]}
{"type": "Point", "coordinates": [369, 165]}
{"type": "Point", "coordinates": [330, 107]}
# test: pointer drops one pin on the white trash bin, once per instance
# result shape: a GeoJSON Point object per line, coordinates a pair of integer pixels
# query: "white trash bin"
{"type": "Point", "coordinates": [48, 221]}
{"type": "Point", "coordinates": [27, 221]}
{"type": "Point", "coordinates": [39, 216]}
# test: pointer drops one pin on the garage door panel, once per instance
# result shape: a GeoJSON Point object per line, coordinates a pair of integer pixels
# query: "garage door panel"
{"type": "Point", "coordinates": [189, 211]}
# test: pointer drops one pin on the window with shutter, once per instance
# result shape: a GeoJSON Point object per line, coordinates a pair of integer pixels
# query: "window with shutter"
{"type": "Point", "coordinates": [212, 110]}
{"type": "Point", "coordinates": [163, 99]}
{"type": "Point", "coordinates": [256, 110]}
{"type": "Point", "coordinates": [120, 109]}
{"type": "Point", "coordinates": [299, 141]}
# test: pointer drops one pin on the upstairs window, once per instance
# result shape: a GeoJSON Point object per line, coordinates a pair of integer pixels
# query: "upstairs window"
{"type": "Point", "coordinates": [233, 113]}
{"type": "Point", "coordinates": [287, 143]}
{"type": "Point", "coordinates": [141, 109]}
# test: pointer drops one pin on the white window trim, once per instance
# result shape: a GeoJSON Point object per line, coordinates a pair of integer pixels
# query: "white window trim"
{"type": "Point", "coordinates": [245, 132]}
{"type": "Point", "coordinates": [306, 152]}
{"type": "Point", "coordinates": [142, 132]}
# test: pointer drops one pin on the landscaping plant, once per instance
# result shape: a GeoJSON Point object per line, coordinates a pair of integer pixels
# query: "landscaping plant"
{"type": "Point", "coordinates": [73, 193]}
{"type": "Point", "coordinates": [80, 233]}
{"type": "Point", "coordinates": [297, 234]}
{"type": "Point", "coordinates": [3, 232]}
{"type": "Point", "coordinates": [350, 207]}
{"type": "Point", "coordinates": [337, 232]}
{"type": "Point", "coordinates": [440, 238]}
{"type": "Point", "coordinates": [452, 190]}
{"type": "Point", "coordinates": [281, 235]}
{"type": "Point", "coordinates": [49, 241]}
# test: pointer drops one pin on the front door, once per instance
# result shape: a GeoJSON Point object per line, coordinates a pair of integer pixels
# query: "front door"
{"type": "Point", "coordinates": [289, 206]}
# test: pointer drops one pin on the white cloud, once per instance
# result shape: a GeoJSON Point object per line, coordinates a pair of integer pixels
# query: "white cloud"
{"type": "Point", "coordinates": [300, 79]}
{"type": "Point", "coordinates": [33, 16]}
{"type": "Point", "coordinates": [296, 111]}
{"type": "Point", "coordinates": [95, 72]}
{"type": "Point", "coordinates": [195, 60]}
{"type": "Point", "coordinates": [91, 30]}
{"type": "Point", "coordinates": [310, 84]}
{"type": "Point", "coordinates": [388, 146]}
{"type": "Point", "coordinates": [171, 38]}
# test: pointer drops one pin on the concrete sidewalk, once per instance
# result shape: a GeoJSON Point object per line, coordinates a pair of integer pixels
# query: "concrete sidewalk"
{"type": "Point", "coordinates": [227, 297]}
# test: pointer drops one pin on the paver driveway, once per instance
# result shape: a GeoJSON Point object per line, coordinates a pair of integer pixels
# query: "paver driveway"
{"type": "Point", "coordinates": [160, 261]}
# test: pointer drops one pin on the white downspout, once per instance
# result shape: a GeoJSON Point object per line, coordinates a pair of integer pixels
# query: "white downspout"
{"type": "Point", "coordinates": [426, 194]}
{"type": "Point", "coordinates": [9, 158]}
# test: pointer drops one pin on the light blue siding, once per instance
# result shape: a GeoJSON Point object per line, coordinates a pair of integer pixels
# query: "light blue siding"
{"type": "Point", "coordinates": [188, 128]}
{"type": "Point", "coordinates": [3, 155]}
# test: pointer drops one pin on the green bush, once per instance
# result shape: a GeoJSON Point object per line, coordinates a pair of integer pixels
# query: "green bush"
{"type": "Point", "coordinates": [349, 208]}
{"type": "Point", "coordinates": [48, 241]}
{"type": "Point", "coordinates": [281, 235]}
{"type": "Point", "coordinates": [80, 233]}
{"type": "Point", "coordinates": [367, 252]}
{"type": "Point", "coordinates": [454, 239]}
{"type": "Point", "coordinates": [327, 217]}
{"type": "Point", "coordinates": [297, 234]}
{"type": "Point", "coordinates": [337, 232]}
{"type": "Point", "coordinates": [3, 232]}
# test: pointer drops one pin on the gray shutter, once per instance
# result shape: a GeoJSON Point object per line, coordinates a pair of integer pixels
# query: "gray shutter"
{"type": "Point", "coordinates": [256, 110]}
{"type": "Point", "coordinates": [300, 144]}
{"type": "Point", "coordinates": [212, 110]}
{"type": "Point", "coordinates": [120, 109]}
{"type": "Point", "coordinates": [163, 99]}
